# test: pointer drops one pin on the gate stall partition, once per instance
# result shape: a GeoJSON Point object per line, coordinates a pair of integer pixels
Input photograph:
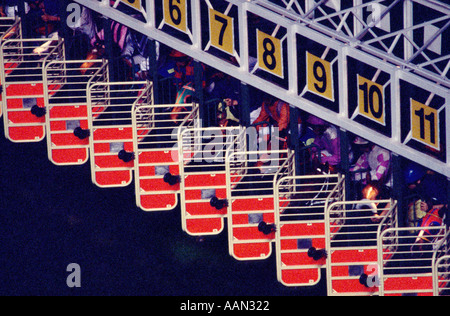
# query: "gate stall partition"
{"type": "Point", "coordinates": [23, 86]}
{"type": "Point", "coordinates": [111, 138]}
{"type": "Point", "coordinates": [441, 268]}
{"type": "Point", "coordinates": [251, 177]}
{"type": "Point", "coordinates": [352, 229]}
{"type": "Point", "coordinates": [203, 191]}
{"type": "Point", "coordinates": [10, 28]}
{"type": "Point", "coordinates": [155, 136]}
{"type": "Point", "coordinates": [65, 86]}
{"type": "Point", "coordinates": [300, 204]}
{"type": "Point", "coordinates": [406, 260]}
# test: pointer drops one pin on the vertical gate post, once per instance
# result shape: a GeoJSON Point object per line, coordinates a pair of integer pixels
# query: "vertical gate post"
{"type": "Point", "coordinates": [345, 163]}
{"type": "Point", "coordinates": [203, 111]}
{"type": "Point", "coordinates": [295, 138]}
{"type": "Point", "coordinates": [108, 38]}
{"type": "Point", "coordinates": [153, 75]}
{"type": "Point", "coordinates": [244, 108]}
{"type": "Point", "coordinates": [398, 188]}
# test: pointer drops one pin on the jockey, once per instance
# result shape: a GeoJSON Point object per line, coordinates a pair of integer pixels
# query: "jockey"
{"type": "Point", "coordinates": [374, 158]}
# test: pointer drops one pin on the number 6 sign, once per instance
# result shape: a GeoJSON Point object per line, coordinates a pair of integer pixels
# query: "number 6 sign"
{"type": "Point", "coordinates": [175, 14]}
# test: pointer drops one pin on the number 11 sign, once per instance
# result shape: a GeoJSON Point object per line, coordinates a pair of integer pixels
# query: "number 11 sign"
{"type": "Point", "coordinates": [425, 124]}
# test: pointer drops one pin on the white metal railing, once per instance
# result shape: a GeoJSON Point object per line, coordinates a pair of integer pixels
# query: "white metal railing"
{"type": "Point", "coordinates": [251, 177]}
{"type": "Point", "coordinates": [441, 267]}
{"type": "Point", "coordinates": [10, 28]}
{"type": "Point", "coordinates": [23, 93]}
{"type": "Point", "coordinates": [351, 230]}
{"type": "Point", "coordinates": [406, 260]}
{"type": "Point", "coordinates": [111, 132]}
{"type": "Point", "coordinates": [203, 193]}
{"type": "Point", "coordinates": [65, 94]}
{"type": "Point", "coordinates": [155, 136]}
{"type": "Point", "coordinates": [300, 204]}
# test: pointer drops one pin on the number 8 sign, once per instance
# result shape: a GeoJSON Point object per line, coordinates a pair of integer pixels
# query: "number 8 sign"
{"type": "Point", "coordinates": [270, 54]}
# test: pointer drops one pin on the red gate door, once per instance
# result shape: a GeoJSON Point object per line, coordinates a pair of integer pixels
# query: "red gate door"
{"type": "Point", "coordinates": [66, 84]}
{"type": "Point", "coordinates": [23, 94]}
{"type": "Point", "coordinates": [251, 177]}
{"type": "Point", "coordinates": [300, 203]}
{"type": "Point", "coordinates": [111, 141]}
{"type": "Point", "coordinates": [155, 135]}
{"type": "Point", "coordinates": [352, 230]}
{"type": "Point", "coordinates": [203, 173]}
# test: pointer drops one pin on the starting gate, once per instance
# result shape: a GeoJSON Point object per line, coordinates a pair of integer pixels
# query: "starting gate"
{"type": "Point", "coordinates": [9, 29]}
{"type": "Point", "coordinates": [65, 93]}
{"type": "Point", "coordinates": [203, 173]}
{"type": "Point", "coordinates": [111, 141]}
{"type": "Point", "coordinates": [23, 93]}
{"type": "Point", "coordinates": [300, 204]}
{"type": "Point", "coordinates": [251, 177]}
{"type": "Point", "coordinates": [406, 260]}
{"type": "Point", "coordinates": [352, 229]}
{"type": "Point", "coordinates": [441, 268]}
{"type": "Point", "coordinates": [155, 131]}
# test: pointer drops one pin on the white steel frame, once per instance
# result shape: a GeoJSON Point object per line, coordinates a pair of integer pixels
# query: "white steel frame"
{"type": "Point", "coordinates": [299, 17]}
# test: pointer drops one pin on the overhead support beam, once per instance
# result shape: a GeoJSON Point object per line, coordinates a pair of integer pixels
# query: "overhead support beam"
{"type": "Point", "coordinates": [392, 75]}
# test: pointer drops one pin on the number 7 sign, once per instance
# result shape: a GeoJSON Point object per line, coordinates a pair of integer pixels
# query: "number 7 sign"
{"type": "Point", "coordinates": [221, 31]}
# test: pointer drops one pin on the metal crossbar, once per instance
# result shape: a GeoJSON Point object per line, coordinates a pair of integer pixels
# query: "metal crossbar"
{"type": "Point", "coordinates": [111, 138]}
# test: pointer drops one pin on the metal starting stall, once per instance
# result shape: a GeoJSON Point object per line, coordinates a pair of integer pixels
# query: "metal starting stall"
{"type": "Point", "coordinates": [352, 229]}
{"type": "Point", "coordinates": [300, 204]}
{"type": "Point", "coordinates": [251, 177]}
{"type": "Point", "coordinates": [111, 140]}
{"type": "Point", "coordinates": [24, 62]}
{"type": "Point", "coordinates": [65, 93]}
{"type": "Point", "coordinates": [406, 260]}
{"type": "Point", "coordinates": [441, 267]}
{"type": "Point", "coordinates": [10, 28]}
{"type": "Point", "coordinates": [203, 191]}
{"type": "Point", "coordinates": [155, 136]}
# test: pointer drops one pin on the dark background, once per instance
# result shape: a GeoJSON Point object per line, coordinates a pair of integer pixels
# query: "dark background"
{"type": "Point", "coordinates": [51, 216]}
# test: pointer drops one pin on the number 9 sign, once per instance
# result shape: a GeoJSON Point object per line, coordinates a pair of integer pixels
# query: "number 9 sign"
{"type": "Point", "coordinates": [320, 76]}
